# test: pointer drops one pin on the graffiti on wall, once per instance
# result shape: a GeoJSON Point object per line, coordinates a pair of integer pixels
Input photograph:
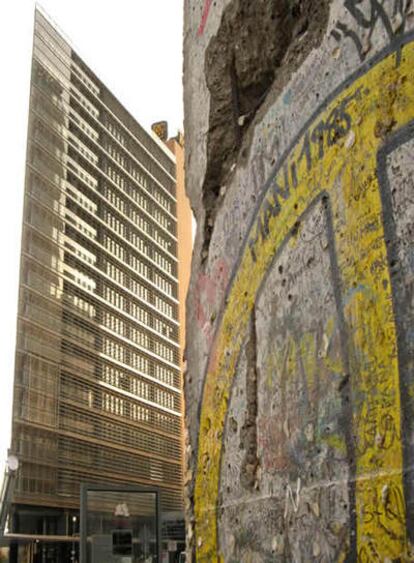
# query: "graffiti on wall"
{"type": "Point", "coordinates": [204, 16]}
{"type": "Point", "coordinates": [366, 16]}
{"type": "Point", "coordinates": [338, 175]}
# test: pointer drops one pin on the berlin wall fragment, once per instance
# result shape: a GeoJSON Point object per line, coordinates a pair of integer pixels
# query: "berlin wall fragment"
{"type": "Point", "coordinates": [299, 121]}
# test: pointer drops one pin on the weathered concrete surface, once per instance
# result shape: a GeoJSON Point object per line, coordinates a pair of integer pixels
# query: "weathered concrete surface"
{"type": "Point", "coordinates": [299, 120]}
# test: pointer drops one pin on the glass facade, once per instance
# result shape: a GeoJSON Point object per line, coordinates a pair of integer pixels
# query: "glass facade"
{"type": "Point", "coordinates": [97, 395]}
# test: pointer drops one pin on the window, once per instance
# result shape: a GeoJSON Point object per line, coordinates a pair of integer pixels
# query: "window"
{"type": "Point", "coordinates": [114, 323]}
{"type": "Point", "coordinates": [81, 304]}
{"type": "Point", "coordinates": [138, 289]}
{"type": "Point", "coordinates": [140, 388]}
{"type": "Point", "coordinates": [113, 297]}
{"type": "Point", "coordinates": [111, 375]}
{"type": "Point", "coordinates": [164, 374]}
{"type": "Point", "coordinates": [163, 351]}
{"type": "Point", "coordinates": [115, 131]}
{"type": "Point", "coordinates": [80, 224]}
{"type": "Point", "coordinates": [137, 265]}
{"type": "Point", "coordinates": [115, 224]}
{"type": "Point", "coordinates": [139, 362]}
{"type": "Point", "coordinates": [113, 404]}
{"type": "Point", "coordinates": [164, 398]}
{"type": "Point", "coordinates": [116, 177]}
{"type": "Point", "coordinates": [162, 261]}
{"type": "Point", "coordinates": [114, 349]}
{"type": "Point", "coordinates": [163, 284]}
{"type": "Point", "coordinates": [115, 273]}
{"type": "Point", "coordinates": [163, 306]}
{"type": "Point", "coordinates": [163, 328]}
{"type": "Point", "coordinates": [114, 248]}
{"type": "Point", "coordinates": [83, 78]}
{"type": "Point", "coordinates": [139, 413]}
{"type": "Point", "coordinates": [139, 337]}
{"type": "Point", "coordinates": [139, 313]}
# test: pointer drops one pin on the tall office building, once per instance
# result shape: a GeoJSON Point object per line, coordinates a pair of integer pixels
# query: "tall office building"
{"type": "Point", "coordinates": [97, 390]}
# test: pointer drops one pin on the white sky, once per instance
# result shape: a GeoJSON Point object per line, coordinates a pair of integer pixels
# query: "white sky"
{"type": "Point", "coordinates": [135, 48]}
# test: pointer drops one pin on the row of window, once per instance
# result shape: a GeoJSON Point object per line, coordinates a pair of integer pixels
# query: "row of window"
{"type": "Point", "coordinates": [139, 313]}
{"type": "Point", "coordinates": [163, 328]}
{"type": "Point", "coordinates": [139, 220]}
{"type": "Point", "coordinates": [123, 328]}
{"type": "Point", "coordinates": [112, 196]}
{"type": "Point", "coordinates": [141, 389]}
{"type": "Point", "coordinates": [160, 239]}
{"type": "Point", "coordinates": [115, 224]}
{"type": "Point", "coordinates": [116, 155]}
{"type": "Point", "coordinates": [36, 479]}
{"type": "Point", "coordinates": [114, 350]}
{"type": "Point", "coordinates": [131, 357]}
{"type": "Point", "coordinates": [83, 125]}
{"type": "Point", "coordinates": [138, 197]}
{"type": "Point", "coordinates": [138, 266]}
{"type": "Point", "coordinates": [84, 150]}
{"type": "Point", "coordinates": [165, 285]}
{"type": "Point", "coordinates": [132, 436]}
{"type": "Point", "coordinates": [37, 446]}
{"type": "Point", "coordinates": [140, 244]}
{"type": "Point", "coordinates": [163, 306]}
{"type": "Point", "coordinates": [114, 323]}
{"type": "Point", "coordinates": [161, 218]}
{"type": "Point", "coordinates": [138, 289]}
{"type": "Point", "coordinates": [84, 102]}
{"type": "Point", "coordinates": [80, 224]}
{"type": "Point", "coordinates": [86, 308]}
{"type": "Point", "coordinates": [115, 131]}
{"type": "Point", "coordinates": [80, 251]}
{"type": "Point", "coordinates": [83, 78]}
{"type": "Point", "coordinates": [162, 261]}
{"type": "Point", "coordinates": [114, 247]}
{"type": "Point", "coordinates": [85, 176]}
{"type": "Point", "coordinates": [164, 398]}
{"type": "Point", "coordinates": [81, 199]}
{"type": "Point", "coordinates": [114, 297]}
{"type": "Point", "coordinates": [137, 335]}
{"type": "Point", "coordinates": [139, 362]}
{"type": "Point", "coordinates": [163, 351]}
{"type": "Point", "coordinates": [115, 273]}
{"type": "Point", "coordinates": [118, 378]}
{"type": "Point", "coordinates": [80, 278]}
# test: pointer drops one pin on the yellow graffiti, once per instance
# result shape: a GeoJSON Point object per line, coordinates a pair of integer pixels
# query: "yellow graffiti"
{"type": "Point", "coordinates": [376, 103]}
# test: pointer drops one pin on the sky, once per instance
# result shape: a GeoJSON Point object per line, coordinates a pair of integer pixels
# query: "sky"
{"type": "Point", "coordinates": [135, 48]}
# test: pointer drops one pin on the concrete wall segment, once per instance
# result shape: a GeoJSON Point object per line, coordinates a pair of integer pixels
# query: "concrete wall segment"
{"type": "Point", "coordinates": [298, 245]}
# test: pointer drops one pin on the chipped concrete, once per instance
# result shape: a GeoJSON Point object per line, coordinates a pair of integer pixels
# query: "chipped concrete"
{"type": "Point", "coordinates": [257, 46]}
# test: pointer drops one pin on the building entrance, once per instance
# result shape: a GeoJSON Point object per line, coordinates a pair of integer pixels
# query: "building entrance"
{"type": "Point", "coordinates": [119, 525]}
